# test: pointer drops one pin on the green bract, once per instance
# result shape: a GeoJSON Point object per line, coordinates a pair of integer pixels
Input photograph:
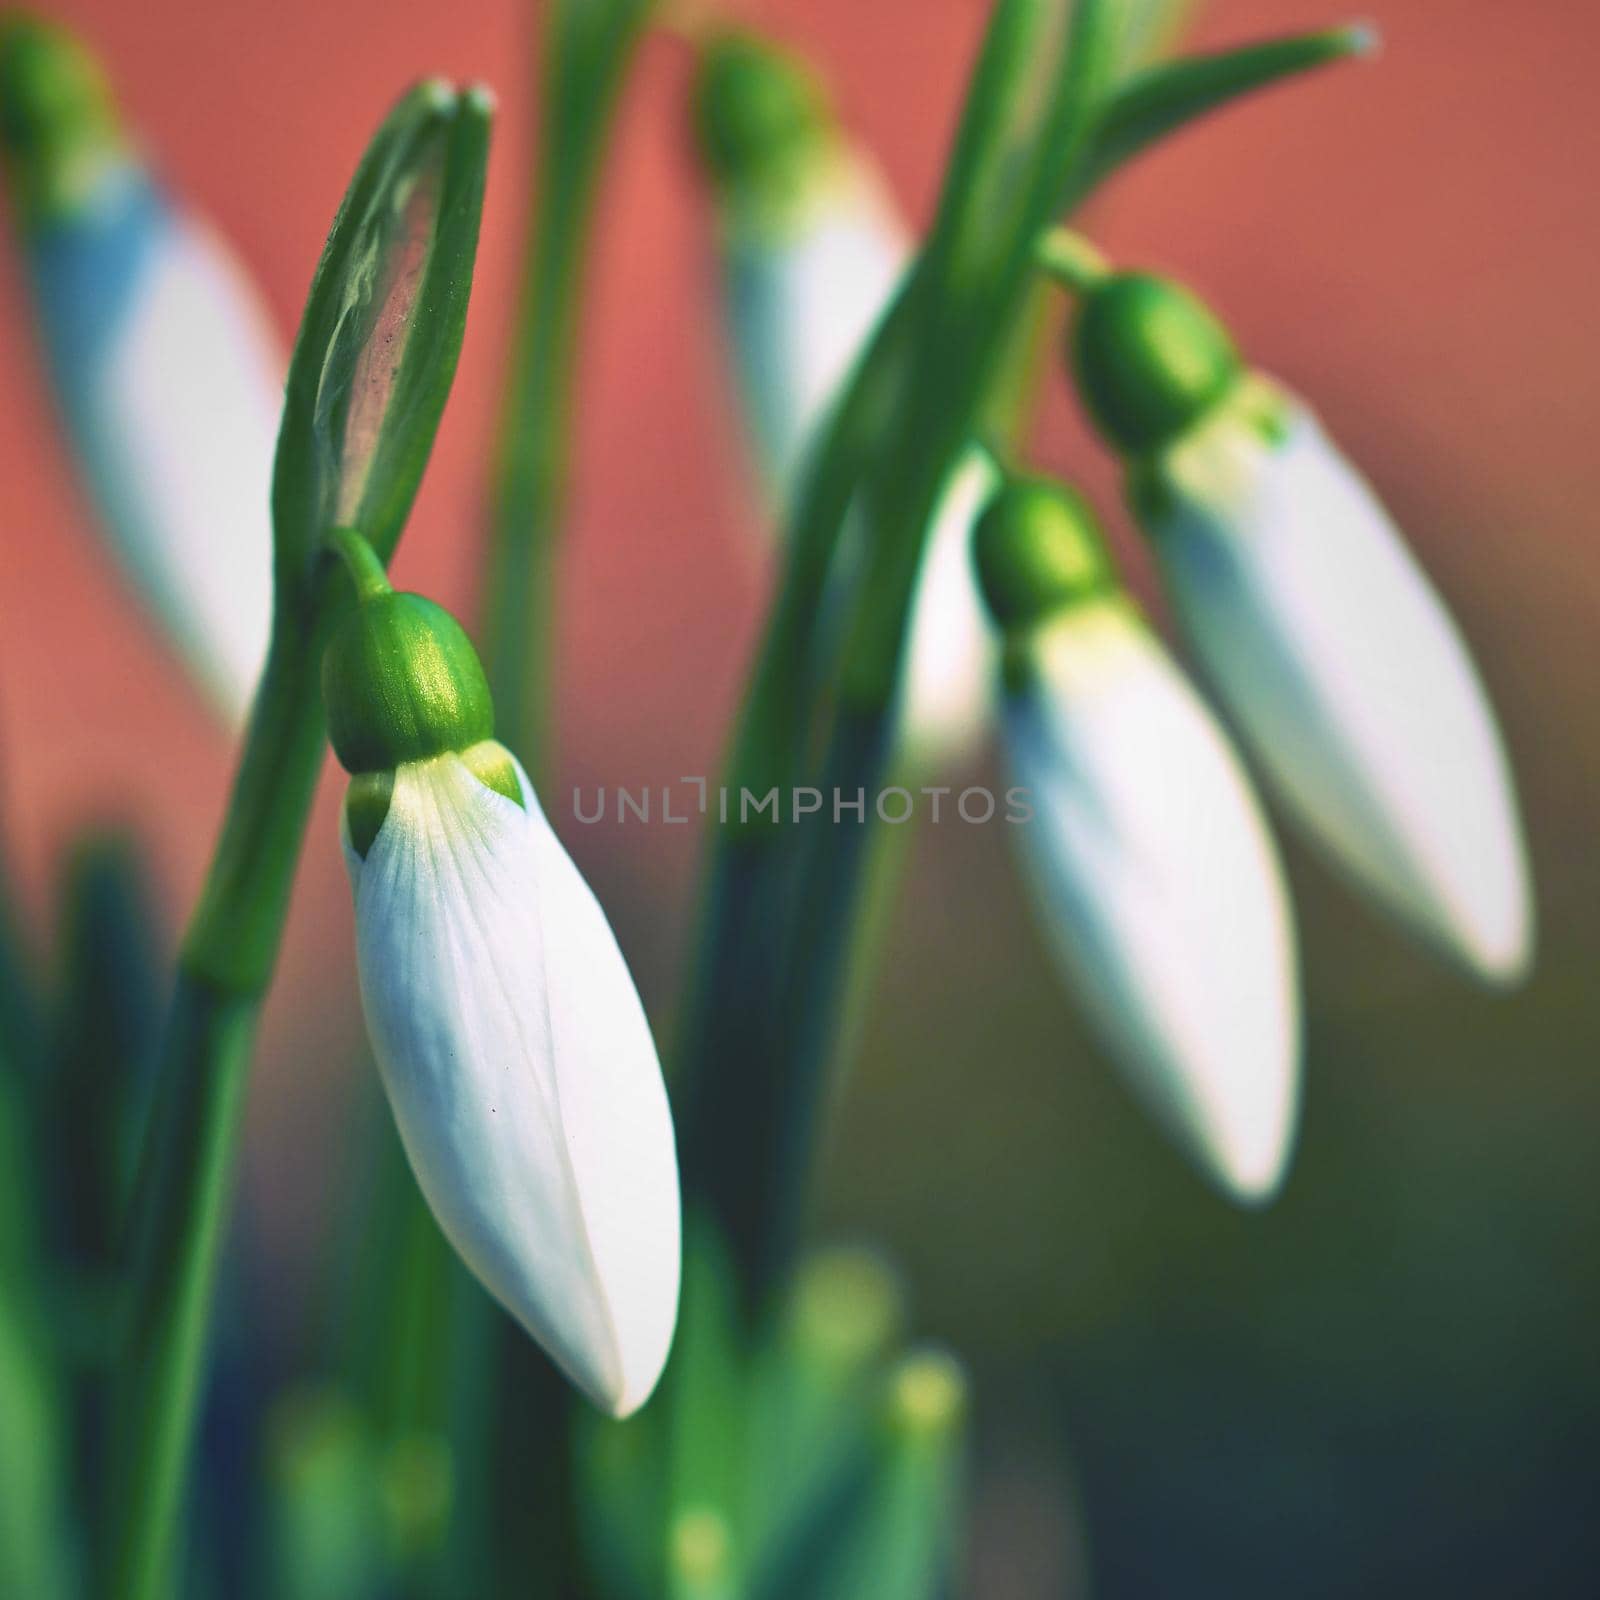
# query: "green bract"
{"type": "Point", "coordinates": [58, 124]}
{"type": "Point", "coordinates": [758, 112]}
{"type": "Point", "coordinates": [1149, 358]}
{"type": "Point", "coordinates": [1038, 548]}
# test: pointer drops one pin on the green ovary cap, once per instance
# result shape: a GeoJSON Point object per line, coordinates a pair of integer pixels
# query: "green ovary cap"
{"type": "Point", "coordinates": [1038, 548]}
{"type": "Point", "coordinates": [402, 682]}
{"type": "Point", "coordinates": [1150, 360]}
{"type": "Point", "coordinates": [757, 110]}
{"type": "Point", "coordinates": [58, 122]}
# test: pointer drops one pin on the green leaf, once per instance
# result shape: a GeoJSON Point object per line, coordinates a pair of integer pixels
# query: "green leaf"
{"type": "Point", "coordinates": [813, 1387]}
{"type": "Point", "coordinates": [1161, 99]}
{"type": "Point", "coordinates": [110, 1010]}
{"type": "Point", "coordinates": [894, 1527]}
{"type": "Point", "coordinates": [382, 331]}
{"type": "Point", "coordinates": [326, 1529]}
{"type": "Point", "coordinates": [1152, 27]}
{"type": "Point", "coordinates": [32, 1527]}
{"type": "Point", "coordinates": [663, 1490]}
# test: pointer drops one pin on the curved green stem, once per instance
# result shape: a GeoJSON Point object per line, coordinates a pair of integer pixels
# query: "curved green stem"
{"type": "Point", "coordinates": [590, 45]}
{"type": "Point", "coordinates": [1070, 260]}
{"type": "Point", "coordinates": [180, 1203]}
{"type": "Point", "coordinates": [782, 905]}
{"type": "Point", "coordinates": [361, 562]}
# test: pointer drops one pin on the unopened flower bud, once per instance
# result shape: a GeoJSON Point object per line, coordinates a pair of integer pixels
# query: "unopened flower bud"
{"type": "Point", "coordinates": [508, 1032]}
{"type": "Point", "coordinates": [758, 111]}
{"type": "Point", "coordinates": [1149, 358]}
{"type": "Point", "coordinates": [1038, 548]}
{"type": "Point", "coordinates": [1336, 657]}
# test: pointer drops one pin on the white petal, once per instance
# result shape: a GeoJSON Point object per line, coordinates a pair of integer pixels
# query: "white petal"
{"type": "Point", "coordinates": [803, 302]}
{"type": "Point", "coordinates": [172, 380]}
{"type": "Point", "coordinates": [522, 1074]}
{"type": "Point", "coordinates": [1350, 682]}
{"type": "Point", "coordinates": [952, 661]}
{"type": "Point", "coordinates": [1160, 887]}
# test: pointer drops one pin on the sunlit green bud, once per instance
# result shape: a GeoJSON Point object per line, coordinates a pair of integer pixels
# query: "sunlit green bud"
{"type": "Point", "coordinates": [699, 1553]}
{"type": "Point", "coordinates": [402, 682]}
{"type": "Point", "coordinates": [848, 1307]}
{"type": "Point", "coordinates": [58, 123]}
{"type": "Point", "coordinates": [1038, 549]}
{"type": "Point", "coordinates": [759, 113]}
{"type": "Point", "coordinates": [928, 1394]}
{"type": "Point", "coordinates": [1149, 358]}
{"type": "Point", "coordinates": [416, 1485]}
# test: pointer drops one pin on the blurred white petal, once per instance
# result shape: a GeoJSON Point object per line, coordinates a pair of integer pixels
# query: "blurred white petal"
{"type": "Point", "coordinates": [171, 379]}
{"type": "Point", "coordinates": [804, 297]}
{"type": "Point", "coordinates": [522, 1073]}
{"type": "Point", "coordinates": [1349, 680]}
{"type": "Point", "coordinates": [1160, 888]}
{"type": "Point", "coordinates": [951, 664]}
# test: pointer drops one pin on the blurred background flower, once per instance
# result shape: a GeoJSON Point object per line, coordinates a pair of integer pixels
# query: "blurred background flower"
{"type": "Point", "coordinates": [1386, 1383]}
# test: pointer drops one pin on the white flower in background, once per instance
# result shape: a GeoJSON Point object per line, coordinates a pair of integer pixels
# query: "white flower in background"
{"type": "Point", "coordinates": [806, 285]}
{"type": "Point", "coordinates": [508, 1032]}
{"type": "Point", "coordinates": [812, 252]}
{"type": "Point", "coordinates": [1153, 871]}
{"type": "Point", "coordinates": [1332, 651]}
{"type": "Point", "coordinates": [165, 364]}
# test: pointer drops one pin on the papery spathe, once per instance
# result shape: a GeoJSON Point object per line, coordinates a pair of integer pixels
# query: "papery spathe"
{"type": "Point", "coordinates": [1160, 888]}
{"type": "Point", "coordinates": [522, 1072]}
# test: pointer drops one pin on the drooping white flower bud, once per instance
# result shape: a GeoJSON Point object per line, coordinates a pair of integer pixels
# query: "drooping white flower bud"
{"type": "Point", "coordinates": [813, 250]}
{"type": "Point", "coordinates": [511, 1040]}
{"type": "Point", "coordinates": [1153, 871]}
{"type": "Point", "coordinates": [165, 364]}
{"type": "Point", "coordinates": [1333, 652]}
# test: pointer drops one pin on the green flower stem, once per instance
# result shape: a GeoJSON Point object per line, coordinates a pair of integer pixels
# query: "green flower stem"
{"type": "Point", "coordinates": [1070, 260]}
{"type": "Point", "coordinates": [395, 277]}
{"type": "Point", "coordinates": [180, 1204]}
{"type": "Point", "coordinates": [590, 46]}
{"type": "Point", "coordinates": [741, 947]}
{"type": "Point", "coordinates": [361, 562]}
{"type": "Point", "coordinates": [779, 928]}
{"type": "Point", "coordinates": [232, 943]}
{"type": "Point", "coordinates": [32, 1520]}
{"type": "Point", "coordinates": [181, 1213]}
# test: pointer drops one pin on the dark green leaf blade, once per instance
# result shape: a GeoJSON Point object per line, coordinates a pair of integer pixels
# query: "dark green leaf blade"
{"type": "Point", "coordinates": [109, 1014]}
{"type": "Point", "coordinates": [1161, 99]}
{"type": "Point", "coordinates": [894, 1528]}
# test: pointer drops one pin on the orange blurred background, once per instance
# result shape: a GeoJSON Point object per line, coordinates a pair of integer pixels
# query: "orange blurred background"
{"type": "Point", "coordinates": [1414, 244]}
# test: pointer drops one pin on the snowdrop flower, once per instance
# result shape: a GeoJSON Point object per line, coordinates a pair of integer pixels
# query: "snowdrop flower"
{"type": "Point", "coordinates": [1152, 869]}
{"type": "Point", "coordinates": [509, 1035]}
{"type": "Point", "coordinates": [1331, 649]}
{"type": "Point", "coordinates": [168, 373]}
{"type": "Point", "coordinates": [813, 251]}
